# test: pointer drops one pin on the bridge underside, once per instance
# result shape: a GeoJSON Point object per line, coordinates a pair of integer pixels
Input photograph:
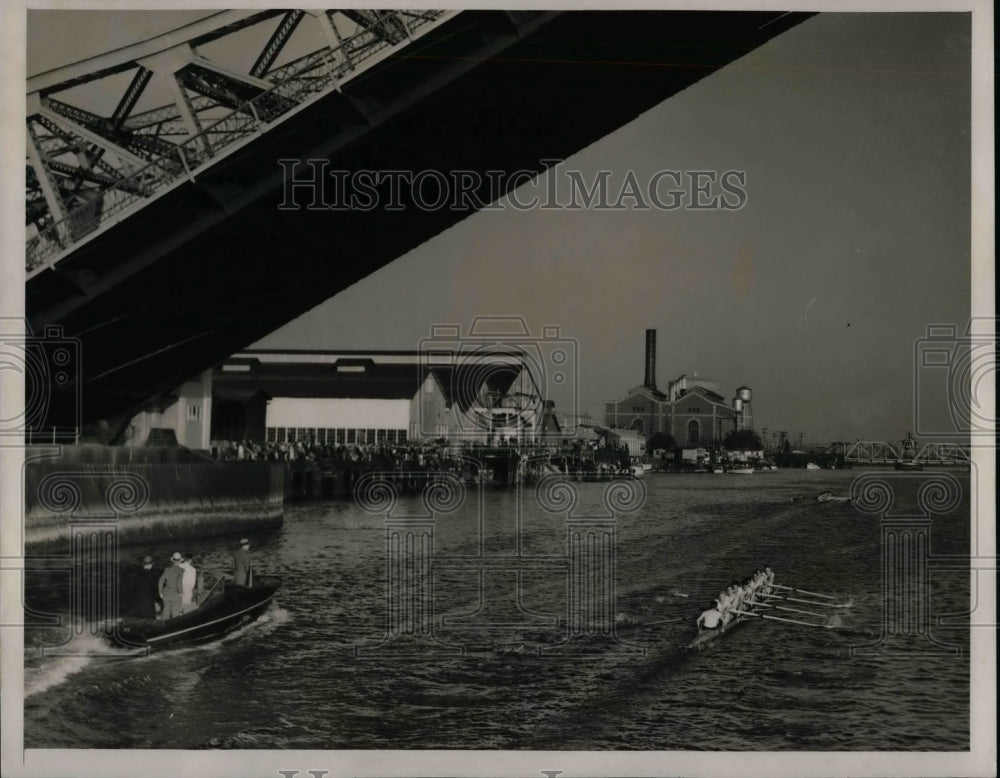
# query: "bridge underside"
{"type": "Point", "coordinates": [215, 265]}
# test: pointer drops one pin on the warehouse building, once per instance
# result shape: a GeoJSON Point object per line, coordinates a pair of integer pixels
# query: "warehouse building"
{"type": "Point", "coordinates": [351, 397]}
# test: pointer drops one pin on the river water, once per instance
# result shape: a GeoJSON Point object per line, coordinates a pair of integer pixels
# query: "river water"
{"type": "Point", "coordinates": [317, 673]}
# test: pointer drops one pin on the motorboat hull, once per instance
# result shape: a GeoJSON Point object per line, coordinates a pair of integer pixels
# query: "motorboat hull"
{"type": "Point", "coordinates": [219, 615]}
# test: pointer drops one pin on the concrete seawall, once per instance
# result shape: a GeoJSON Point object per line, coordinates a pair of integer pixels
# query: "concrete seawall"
{"type": "Point", "coordinates": [148, 502]}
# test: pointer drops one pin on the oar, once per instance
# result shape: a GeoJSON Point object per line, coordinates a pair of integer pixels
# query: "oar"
{"type": "Point", "coordinates": [792, 610]}
{"type": "Point", "coordinates": [786, 598]}
{"type": "Point", "coordinates": [684, 616]}
{"type": "Point", "coordinates": [214, 587]}
{"type": "Point", "coordinates": [779, 618]}
{"type": "Point", "coordinates": [806, 591]}
{"type": "Point", "coordinates": [819, 604]}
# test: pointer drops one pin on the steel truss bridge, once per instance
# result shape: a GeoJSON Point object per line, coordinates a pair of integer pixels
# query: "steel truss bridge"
{"type": "Point", "coordinates": [869, 452]}
{"type": "Point", "coordinates": [86, 171]}
{"type": "Point", "coordinates": [154, 235]}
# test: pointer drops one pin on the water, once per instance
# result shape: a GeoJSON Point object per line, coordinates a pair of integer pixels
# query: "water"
{"type": "Point", "coordinates": [293, 680]}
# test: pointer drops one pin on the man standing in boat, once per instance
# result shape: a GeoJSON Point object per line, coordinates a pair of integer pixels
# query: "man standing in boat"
{"type": "Point", "coordinates": [242, 564]}
{"type": "Point", "coordinates": [146, 595]}
{"type": "Point", "coordinates": [171, 587]}
{"type": "Point", "coordinates": [189, 583]}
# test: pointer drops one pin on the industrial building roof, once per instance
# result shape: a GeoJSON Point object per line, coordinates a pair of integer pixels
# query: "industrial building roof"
{"type": "Point", "coordinates": [361, 378]}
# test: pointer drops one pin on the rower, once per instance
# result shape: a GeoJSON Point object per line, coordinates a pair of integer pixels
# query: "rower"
{"type": "Point", "coordinates": [710, 619]}
{"type": "Point", "coordinates": [729, 603]}
{"type": "Point", "coordinates": [768, 579]}
{"type": "Point", "coordinates": [722, 606]}
{"type": "Point", "coordinates": [735, 597]}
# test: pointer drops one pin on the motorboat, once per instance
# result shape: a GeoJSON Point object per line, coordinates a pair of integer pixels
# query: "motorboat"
{"type": "Point", "coordinates": [226, 608]}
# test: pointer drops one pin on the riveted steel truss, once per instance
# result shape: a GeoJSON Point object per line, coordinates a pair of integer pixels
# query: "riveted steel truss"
{"type": "Point", "coordinates": [182, 109]}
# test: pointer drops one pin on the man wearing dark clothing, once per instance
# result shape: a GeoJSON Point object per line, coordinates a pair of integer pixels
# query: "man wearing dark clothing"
{"type": "Point", "coordinates": [146, 591]}
{"type": "Point", "coordinates": [243, 567]}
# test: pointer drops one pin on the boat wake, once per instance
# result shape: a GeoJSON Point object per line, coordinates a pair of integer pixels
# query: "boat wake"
{"type": "Point", "coordinates": [59, 663]}
{"type": "Point", "coordinates": [275, 616]}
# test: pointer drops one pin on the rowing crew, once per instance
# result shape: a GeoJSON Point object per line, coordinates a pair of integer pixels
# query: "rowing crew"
{"type": "Point", "coordinates": [736, 597]}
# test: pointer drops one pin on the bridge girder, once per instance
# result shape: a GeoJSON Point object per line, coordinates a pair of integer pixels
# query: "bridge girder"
{"type": "Point", "coordinates": [872, 452]}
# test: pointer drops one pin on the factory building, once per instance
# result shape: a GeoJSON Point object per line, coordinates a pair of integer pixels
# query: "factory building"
{"type": "Point", "coordinates": [385, 397]}
{"type": "Point", "coordinates": [692, 410]}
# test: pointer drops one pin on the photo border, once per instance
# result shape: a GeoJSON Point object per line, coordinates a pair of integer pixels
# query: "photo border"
{"type": "Point", "coordinates": [981, 760]}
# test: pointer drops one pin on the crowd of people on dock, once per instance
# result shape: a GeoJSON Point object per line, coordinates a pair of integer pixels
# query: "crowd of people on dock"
{"type": "Point", "coordinates": [179, 588]}
{"type": "Point", "coordinates": [404, 455]}
{"type": "Point", "coordinates": [736, 598]}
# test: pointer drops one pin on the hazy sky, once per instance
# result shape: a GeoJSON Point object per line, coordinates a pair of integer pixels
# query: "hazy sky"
{"type": "Point", "coordinates": [853, 131]}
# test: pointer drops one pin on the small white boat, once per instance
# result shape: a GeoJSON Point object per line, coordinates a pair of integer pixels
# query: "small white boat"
{"type": "Point", "coordinates": [741, 470]}
{"type": "Point", "coordinates": [813, 466]}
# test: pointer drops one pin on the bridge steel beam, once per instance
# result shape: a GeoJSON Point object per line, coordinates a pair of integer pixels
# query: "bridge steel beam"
{"type": "Point", "coordinates": [276, 43]}
{"type": "Point", "coordinates": [124, 59]}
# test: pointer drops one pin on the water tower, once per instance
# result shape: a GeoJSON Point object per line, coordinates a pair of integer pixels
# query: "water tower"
{"type": "Point", "coordinates": [742, 406]}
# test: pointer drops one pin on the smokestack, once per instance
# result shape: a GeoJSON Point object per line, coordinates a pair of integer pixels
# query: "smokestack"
{"type": "Point", "coordinates": [650, 382]}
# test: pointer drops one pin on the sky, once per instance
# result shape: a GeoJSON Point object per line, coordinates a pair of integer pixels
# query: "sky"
{"type": "Point", "coordinates": [853, 133]}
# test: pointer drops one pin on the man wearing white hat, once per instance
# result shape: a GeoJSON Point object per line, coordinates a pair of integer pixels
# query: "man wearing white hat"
{"type": "Point", "coordinates": [189, 581]}
{"type": "Point", "coordinates": [171, 587]}
{"type": "Point", "coordinates": [243, 566]}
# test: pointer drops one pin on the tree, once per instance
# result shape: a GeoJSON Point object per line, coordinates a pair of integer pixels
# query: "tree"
{"type": "Point", "coordinates": [742, 440]}
{"type": "Point", "coordinates": [661, 440]}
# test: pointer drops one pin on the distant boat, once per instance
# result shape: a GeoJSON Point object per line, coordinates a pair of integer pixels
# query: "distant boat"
{"type": "Point", "coordinates": [813, 466]}
{"type": "Point", "coordinates": [741, 470]}
{"type": "Point", "coordinates": [908, 464]}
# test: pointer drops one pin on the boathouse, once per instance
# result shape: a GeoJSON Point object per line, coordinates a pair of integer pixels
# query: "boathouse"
{"type": "Point", "coordinates": [351, 397]}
